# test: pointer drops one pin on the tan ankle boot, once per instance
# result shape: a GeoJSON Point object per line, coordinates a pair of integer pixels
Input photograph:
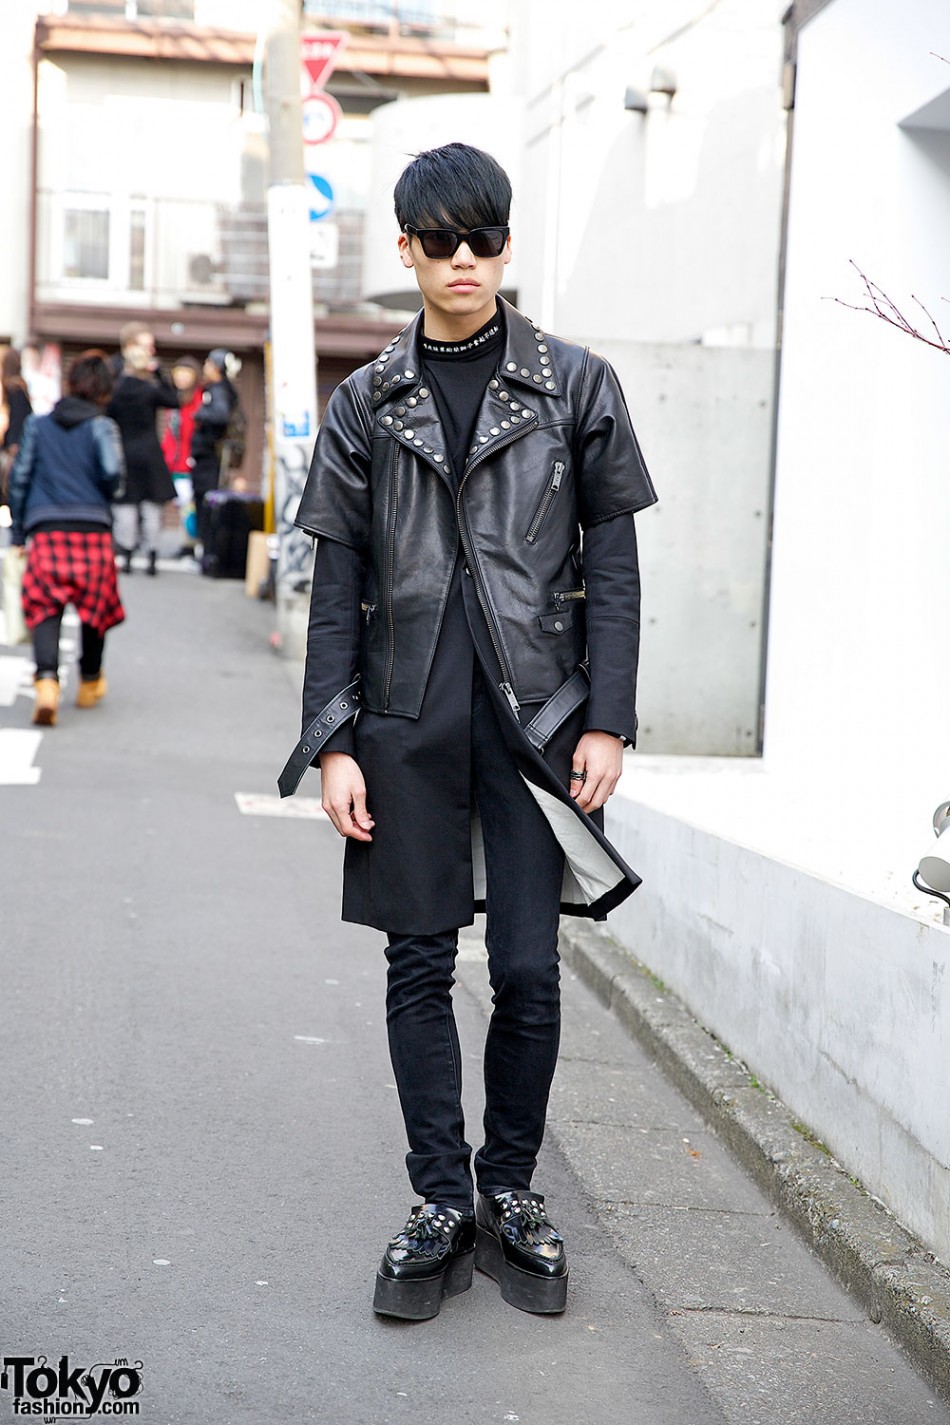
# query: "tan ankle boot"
{"type": "Point", "coordinates": [91, 690]}
{"type": "Point", "coordinates": [45, 701]}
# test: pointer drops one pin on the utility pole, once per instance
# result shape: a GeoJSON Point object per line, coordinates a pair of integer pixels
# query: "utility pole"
{"type": "Point", "coordinates": [293, 358]}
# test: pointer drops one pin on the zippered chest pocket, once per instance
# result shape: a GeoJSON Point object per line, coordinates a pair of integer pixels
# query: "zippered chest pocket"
{"type": "Point", "coordinates": [546, 501]}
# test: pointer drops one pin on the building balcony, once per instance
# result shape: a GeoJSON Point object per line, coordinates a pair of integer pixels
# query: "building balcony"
{"type": "Point", "coordinates": [102, 249]}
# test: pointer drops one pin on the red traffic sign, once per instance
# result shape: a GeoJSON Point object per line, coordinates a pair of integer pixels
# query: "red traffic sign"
{"type": "Point", "coordinates": [318, 54]}
{"type": "Point", "coordinates": [321, 114]}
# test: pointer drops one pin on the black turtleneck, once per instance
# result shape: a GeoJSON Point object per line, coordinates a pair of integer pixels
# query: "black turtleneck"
{"type": "Point", "coordinates": [458, 372]}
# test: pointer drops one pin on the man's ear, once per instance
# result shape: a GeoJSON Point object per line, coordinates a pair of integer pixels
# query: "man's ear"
{"type": "Point", "coordinates": [506, 253]}
{"type": "Point", "coordinates": [405, 252]}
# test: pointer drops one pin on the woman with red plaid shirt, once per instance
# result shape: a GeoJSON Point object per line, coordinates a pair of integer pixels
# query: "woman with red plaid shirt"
{"type": "Point", "coordinates": [69, 468]}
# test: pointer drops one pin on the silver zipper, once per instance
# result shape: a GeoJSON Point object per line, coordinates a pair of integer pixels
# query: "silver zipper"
{"type": "Point", "coordinates": [566, 595]}
{"type": "Point", "coordinates": [391, 551]}
{"type": "Point", "coordinates": [509, 693]}
{"type": "Point", "coordinates": [547, 499]}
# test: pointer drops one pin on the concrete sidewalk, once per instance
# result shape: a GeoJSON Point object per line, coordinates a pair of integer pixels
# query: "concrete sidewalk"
{"type": "Point", "coordinates": [204, 1153]}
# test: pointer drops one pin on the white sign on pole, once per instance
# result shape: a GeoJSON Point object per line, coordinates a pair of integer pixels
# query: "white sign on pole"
{"type": "Point", "coordinates": [324, 244]}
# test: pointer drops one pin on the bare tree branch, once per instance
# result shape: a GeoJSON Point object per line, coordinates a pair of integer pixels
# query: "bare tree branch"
{"type": "Point", "coordinates": [880, 305]}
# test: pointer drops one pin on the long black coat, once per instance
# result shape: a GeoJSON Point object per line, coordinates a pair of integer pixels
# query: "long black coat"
{"type": "Point", "coordinates": [135, 404]}
{"type": "Point", "coordinates": [421, 873]}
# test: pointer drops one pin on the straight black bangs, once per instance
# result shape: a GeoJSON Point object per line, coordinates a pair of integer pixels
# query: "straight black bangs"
{"type": "Point", "coordinates": [456, 186]}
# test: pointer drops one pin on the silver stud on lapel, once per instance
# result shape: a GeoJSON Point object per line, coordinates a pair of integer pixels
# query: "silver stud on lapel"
{"type": "Point", "coordinates": [387, 420]}
{"type": "Point", "coordinates": [409, 433]}
{"type": "Point", "coordinates": [438, 456]}
{"type": "Point", "coordinates": [412, 401]}
{"type": "Point", "coordinates": [409, 374]}
{"type": "Point", "coordinates": [423, 392]}
{"type": "Point", "coordinates": [512, 366]}
{"type": "Point", "coordinates": [550, 386]}
{"type": "Point", "coordinates": [494, 431]}
{"type": "Point", "coordinates": [525, 371]}
{"type": "Point", "coordinates": [537, 378]}
{"type": "Point", "coordinates": [493, 385]}
{"type": "Point", "coordinates": [400, 410]}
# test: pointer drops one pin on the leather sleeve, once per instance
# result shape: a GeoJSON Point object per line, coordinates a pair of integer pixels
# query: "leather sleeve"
{"type": "Point", "coordinates": [20, 478]}
{"type": "Point", "coordinates": [333, 637]}
{"type": "Point", "coordinates": [111, 456]}
{"type": "Point", "coordinates": [612, 478]}
{"type": "Point", "coordinates": [612, 580]}
{"type": "Point", "coordinates": [336, 502]}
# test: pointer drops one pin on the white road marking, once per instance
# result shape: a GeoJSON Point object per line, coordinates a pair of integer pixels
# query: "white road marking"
{"type": "Point", "coordinates": [262, 804]}
{"type": "Point", "coordinates": [18, 747]}
{"type": "Point", "coordinates": [309, 1039]}
{"type": "Point", "coordinates": [16, 679]}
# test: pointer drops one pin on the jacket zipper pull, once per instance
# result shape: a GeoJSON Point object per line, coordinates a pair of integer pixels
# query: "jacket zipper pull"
{"type": "Point", "coordinates": [557, 474]}
{"type": "Point", "coordinates": [509, 693]}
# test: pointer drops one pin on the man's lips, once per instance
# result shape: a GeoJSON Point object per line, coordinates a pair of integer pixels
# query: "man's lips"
{"type": "Point", "coordinates": [464, 282]}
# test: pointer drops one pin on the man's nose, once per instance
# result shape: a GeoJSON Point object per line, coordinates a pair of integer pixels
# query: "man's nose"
{"type": "Point", "coordinates": [463, 256]}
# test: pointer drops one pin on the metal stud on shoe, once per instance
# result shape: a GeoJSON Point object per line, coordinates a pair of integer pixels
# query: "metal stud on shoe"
{"type": "Point", "coordinates": [518, 1245]}
{"type": "Point", "coordinates": [430, 1258]}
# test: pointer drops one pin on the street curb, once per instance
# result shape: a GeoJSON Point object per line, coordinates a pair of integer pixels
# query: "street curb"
{"type": "Point", "coordinates": [895, 1278]}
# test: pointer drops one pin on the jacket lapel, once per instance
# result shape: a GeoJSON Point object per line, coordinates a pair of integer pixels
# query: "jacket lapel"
{"type": "Point", "coordinates": [406, 408]}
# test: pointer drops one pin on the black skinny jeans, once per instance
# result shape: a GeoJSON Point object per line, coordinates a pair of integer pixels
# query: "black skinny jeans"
{"type": "Point", "coordinates": [46, 649]}
{"type": "Point", "coordinates": [524, 866]}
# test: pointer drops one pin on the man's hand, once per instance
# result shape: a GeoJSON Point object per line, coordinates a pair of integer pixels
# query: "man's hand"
{"type": "Point", "coordinates": [344, 795]}
{"type": "Point", "coordinates": [600, 755]}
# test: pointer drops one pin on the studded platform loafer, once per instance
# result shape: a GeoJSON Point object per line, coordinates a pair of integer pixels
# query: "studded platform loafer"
{"type": "Point", "coordinates": [430, 1258]}
{"type": "Point", "coordinates": [518, 1245]}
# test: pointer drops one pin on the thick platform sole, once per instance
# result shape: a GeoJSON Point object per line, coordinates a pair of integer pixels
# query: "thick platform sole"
{"type": "Point", "coordinates": [544, 1295]}
{"type": "Point", "coordinates": [419, 1299]}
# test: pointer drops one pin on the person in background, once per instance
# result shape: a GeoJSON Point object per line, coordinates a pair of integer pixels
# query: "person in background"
{"type": "Point", "coordinates": [16, 398]}
{"type": "Point", "coordinates": [69, 467]}
{"type": "Point", "coordinates": [176, 444]}
{"type": "Point", "coordinates": [211, 423]}
{"type": "Point", "coordinates": [40, 365]}
{"type": "Point", "coordinates": [140, 392]}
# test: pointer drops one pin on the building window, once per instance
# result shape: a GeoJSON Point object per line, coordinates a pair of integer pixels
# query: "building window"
{"type": "Point", "coordinates": [86, 243]}
{"type": "Point", "coordinates": [134, 9]}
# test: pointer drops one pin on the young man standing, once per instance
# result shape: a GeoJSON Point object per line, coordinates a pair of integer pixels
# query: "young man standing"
{"type": "Point", "coordinates": [476, 598]}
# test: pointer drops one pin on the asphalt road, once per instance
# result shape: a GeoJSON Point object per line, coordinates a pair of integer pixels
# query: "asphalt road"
{"type": "Point", "coordinates": [203, 1149]}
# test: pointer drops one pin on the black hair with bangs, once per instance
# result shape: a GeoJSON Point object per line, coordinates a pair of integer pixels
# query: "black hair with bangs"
{"type": "Point", "coordinates": [455, 186]}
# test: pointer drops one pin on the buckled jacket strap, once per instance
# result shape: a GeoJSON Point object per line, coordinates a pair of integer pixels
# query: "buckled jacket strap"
{"type": "Point", "coordinates": [337, 711]}
{"type": "Point", "coordinates": [558, 708]}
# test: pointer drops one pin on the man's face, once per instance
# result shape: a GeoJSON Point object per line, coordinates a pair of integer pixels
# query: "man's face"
{"type": "Point", "coordinates": [458, 292]}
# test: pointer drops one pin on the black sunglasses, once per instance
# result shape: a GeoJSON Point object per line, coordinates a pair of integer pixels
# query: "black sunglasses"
{"type": "Point", "coordinates": [445, 242]}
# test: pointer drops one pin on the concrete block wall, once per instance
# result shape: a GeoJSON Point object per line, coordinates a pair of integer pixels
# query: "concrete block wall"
{"type": "Point", "coordinates": [839, 1004]}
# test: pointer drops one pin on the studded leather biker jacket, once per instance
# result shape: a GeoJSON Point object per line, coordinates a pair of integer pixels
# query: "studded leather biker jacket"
{"type": "Point", "coordinates": [553, 453]}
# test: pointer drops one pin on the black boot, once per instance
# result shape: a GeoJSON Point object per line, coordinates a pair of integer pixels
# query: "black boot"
{"type": "Point", "coordinates": [430, 1258]}
{"type": "Point", "coordinates": [152, 557]}
{"type": "Point", "coordinates": [126, 560]}
{"type": "Point", "coordinates": [518, 1246]}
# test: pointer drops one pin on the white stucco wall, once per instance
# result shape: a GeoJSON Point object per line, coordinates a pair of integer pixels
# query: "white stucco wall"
{"type": "Point", "coordinates": [839, 1004]}
{"type": "Point", "coordinates": [661, 226]}
{"type": "Point", "coordinates": [654, 237]}
{"type": "Point", "coordinates": [858, 679]}
{"type": "Point", "coordinates": [16, 85]}
{"type": "Point", "coordinates": [777, 897]}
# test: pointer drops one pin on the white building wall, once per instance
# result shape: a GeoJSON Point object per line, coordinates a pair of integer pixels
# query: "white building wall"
{"type": "Point", "coordinates": [858, 684]}
{"type": "Point", "coordinates": [654, 237]}
{"type": "Point", "coordinates": [777, 897]}
{"type": "Point", "coordinates": [16, 85]}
